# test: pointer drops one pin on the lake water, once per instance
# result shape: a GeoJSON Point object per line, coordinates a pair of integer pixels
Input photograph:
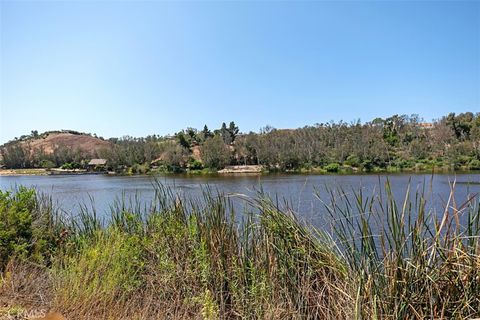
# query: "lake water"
{"type": "Point", "coordinates": [70, 191]}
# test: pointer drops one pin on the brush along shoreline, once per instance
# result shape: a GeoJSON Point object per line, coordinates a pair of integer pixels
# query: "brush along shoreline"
{"type": "Point", "coordinates": [185, 258]}
{"type": "Point", "coordinates": [248, 169]}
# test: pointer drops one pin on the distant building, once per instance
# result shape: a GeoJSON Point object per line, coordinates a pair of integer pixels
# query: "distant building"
{"type": "Point", "coordinates": [97, 165]}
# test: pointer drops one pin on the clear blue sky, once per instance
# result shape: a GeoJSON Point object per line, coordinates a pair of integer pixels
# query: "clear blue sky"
{"type": "Point", "coordinates": [137, 68]}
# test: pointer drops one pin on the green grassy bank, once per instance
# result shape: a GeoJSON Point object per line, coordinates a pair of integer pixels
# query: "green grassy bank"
{"type": "Point", "coordinates": [190, 258]}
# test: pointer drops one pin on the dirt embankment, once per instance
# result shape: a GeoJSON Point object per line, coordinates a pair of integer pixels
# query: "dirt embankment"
{"type": "Point", "coordinates": [52, 141]}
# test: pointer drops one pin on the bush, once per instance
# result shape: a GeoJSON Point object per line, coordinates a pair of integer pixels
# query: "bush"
{"type": "Point", "coordinates": [474, 164]}
{"type": "Point", "coordinates": [195, 165]}
{"type": "Point", "coordinates": [47, 164]}
{"type": "Point", "coordinates": [67, 166]}
{"type": "Point", "coordinates": [174, 169]}
{"type": "Point", "coordinates": [367, 165]}
{"type": "Point", "coordinates": [26, 228]}
{"type": "Point", "coordinates": [353, 161]}
{"type": "Point", "coordinates": [332, 167]}
{"type": "Point", "coordinates": [403, 163]}
{"type": "Point", "coordinates": [71, 165]}
{"type": "Point", "coordinates": [139, 168]}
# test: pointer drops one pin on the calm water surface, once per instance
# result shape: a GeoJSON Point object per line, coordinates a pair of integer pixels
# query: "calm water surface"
{"type": "Point", "coordinates": [299, 190]}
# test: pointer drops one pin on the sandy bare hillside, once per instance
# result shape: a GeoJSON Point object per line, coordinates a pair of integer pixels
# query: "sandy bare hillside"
{"type": "Point", "coordinates": [82, 142]}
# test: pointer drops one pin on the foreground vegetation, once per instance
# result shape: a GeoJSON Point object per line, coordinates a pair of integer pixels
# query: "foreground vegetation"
{"type": "Point", "coordinates": [397, 143]}
{"type": "Point", "coordinates": [186, 258]}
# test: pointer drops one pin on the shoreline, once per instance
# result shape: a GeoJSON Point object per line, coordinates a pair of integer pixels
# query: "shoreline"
{"type": "Point", "coordinates": [44, 172]}
{"type": "Point", "coordinates": [230, 172]}
{"type": "Point", "coordinates": [22, 172]}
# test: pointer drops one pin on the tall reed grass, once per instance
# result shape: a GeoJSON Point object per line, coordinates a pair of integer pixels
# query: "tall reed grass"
{"type": "Point", "coordinates": [183, 257]}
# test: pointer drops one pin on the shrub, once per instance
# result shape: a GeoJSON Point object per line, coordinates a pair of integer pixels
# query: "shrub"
{"type": "Point", "coordinates": [140, 168]}
{"type": "Point", "coordinates": [353, 161]}
{"type": "Point", "coordinates": [367, 165]}
{"type": "Point", "coordinates": [27, 229]}
{"type": "Point", "coordinates": [332, 167]}
{"type": "Point", "coordinates": [47, 164]}
{"type": "Point", "coordinates": [195, 165]}
{"type": "Point", "coordinates": [71, 165]}
{"type": "Point", "coordinates": [474, 164]}
{"type": "Point", "coordinates": [67, 166]}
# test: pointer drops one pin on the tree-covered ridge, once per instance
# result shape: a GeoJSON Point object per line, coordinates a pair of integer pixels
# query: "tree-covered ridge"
{"type": "Point", "coordinates": [399, 142]}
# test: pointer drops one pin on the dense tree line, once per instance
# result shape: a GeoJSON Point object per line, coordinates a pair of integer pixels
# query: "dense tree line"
{"type": "Point", "coordinates": [398, 142]}
{"type": "Point", "coordinates": [395, 143]}
{"type": "Point", "coordinates": [17, 156]}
